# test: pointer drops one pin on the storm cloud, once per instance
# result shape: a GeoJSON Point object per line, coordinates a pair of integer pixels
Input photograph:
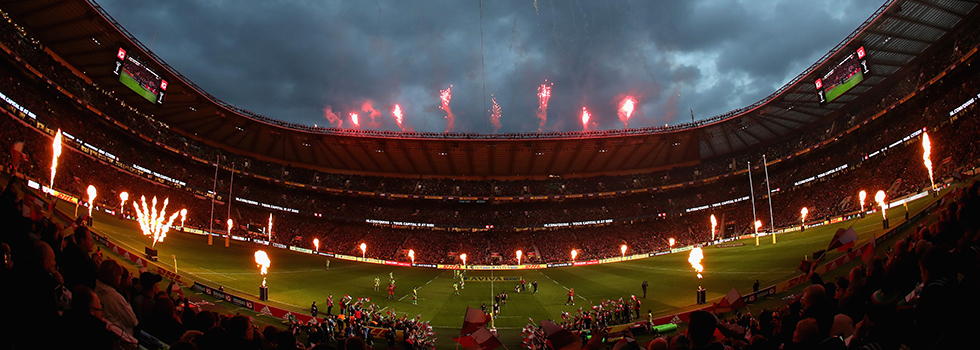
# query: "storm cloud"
{"type": "Point", "coordinates": [294, 60]}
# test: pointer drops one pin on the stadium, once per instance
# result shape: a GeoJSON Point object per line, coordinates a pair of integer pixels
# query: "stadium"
{"type": "Point", "coordinates": [617, 234]}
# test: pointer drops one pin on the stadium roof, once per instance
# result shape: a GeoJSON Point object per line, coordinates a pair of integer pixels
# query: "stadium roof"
{"type": "Point", "coordinates": [85, 37]}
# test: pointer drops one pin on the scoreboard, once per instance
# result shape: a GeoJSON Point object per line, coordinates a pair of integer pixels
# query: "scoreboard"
{"type": "Point", "coordinates": [139, 77]}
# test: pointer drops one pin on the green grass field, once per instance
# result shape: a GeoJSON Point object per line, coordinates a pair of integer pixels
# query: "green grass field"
{"type": "Point", "coordinates": [295, 279]}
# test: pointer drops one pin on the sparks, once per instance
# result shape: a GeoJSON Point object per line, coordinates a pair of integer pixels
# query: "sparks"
{"type": "Point", "coordinates": [92, 192]}
{"type": "Point", "coordinates": [695, 259]}
{"type": "Point", "coordinates": [585, 118]}
{"type": "Point", "coordinates": [445, 96]}
{"type": "Point", "coordinates": [861, 196]}
{"type": "Point", "coordinates": [262, 259]}
{"type": "Point", "coordinates": [123, 197]}
{"type": "Point", "coordinates": [495, 112]}
{"type": "Point", "coordinates": [880, 199]}
{"type": "Point", "coordinates": [56, 152]}
{"type": "Point", "coordinates": [714, 224]}
{"type": "Point", "coordinates": [626, 110]}
{"type": "Point", "coordinates": [398, 116]}
{"type": "Point", "coordinates": [353, 119]}
{"type": "Point", "coordinates": [544, 94]}
{"type": "Point", "coordinates": [152, 224]}
{"type": "Point", "coordinates": [926, 153]}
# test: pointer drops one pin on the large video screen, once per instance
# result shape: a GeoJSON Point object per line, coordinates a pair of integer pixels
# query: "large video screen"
{"type": "Point", "coordinates": [140, 78]}
{"type": "Point", "coordinates": [846, 75]}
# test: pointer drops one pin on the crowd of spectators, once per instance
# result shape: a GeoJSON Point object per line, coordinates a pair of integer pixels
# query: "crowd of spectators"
{"type": "Point", "coordinates": [916, 296]}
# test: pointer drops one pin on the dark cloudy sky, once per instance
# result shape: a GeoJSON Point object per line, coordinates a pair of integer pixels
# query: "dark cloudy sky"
{"type": "Point", "coordinates": [292, 60]}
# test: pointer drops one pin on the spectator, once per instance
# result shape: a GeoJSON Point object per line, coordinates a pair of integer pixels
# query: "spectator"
{"type": "Point", "coordinates": [117, 309]}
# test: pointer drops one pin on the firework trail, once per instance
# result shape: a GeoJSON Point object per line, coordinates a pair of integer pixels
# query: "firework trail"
{"type": "Point", "coordinates": [397, 112]}
{"type": "Point", "coordinates": [445, 96]}
{"type": "Point", "coordinates": [353, 119]}
{"type": "Point", "coordinates": [495, 114]}
{"type": "Point", "coordinates": [585, 118]}
{"type": "Point", "coordinates": [626, 107]}
{"type": "Point", "coordinates": [544, 94]}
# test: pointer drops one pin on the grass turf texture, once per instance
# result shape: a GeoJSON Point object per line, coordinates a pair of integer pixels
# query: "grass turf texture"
{"type": "Point", "coordinates": [295, 279]}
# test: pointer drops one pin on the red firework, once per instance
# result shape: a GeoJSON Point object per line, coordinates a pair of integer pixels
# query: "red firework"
{"type": "Point", "coordinates": [353, 119]}
{"type": "Point", "coordinates": [544, 94]}
{"type": "Point", "coordinates": [398, 116]}
{"type": "Point", "coordinates": [495, 114]}
{"type": "Point", "coordinates": [585, 118]}
{"type": "Point", "coordinates": [446, 96]}
{"type": "Point", "coordinates": [626, 110]}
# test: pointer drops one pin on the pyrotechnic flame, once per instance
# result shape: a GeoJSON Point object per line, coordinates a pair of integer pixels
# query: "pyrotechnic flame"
{"type": "Point", "coordinates": [585, 118]}
{"type": "Point", "coordinates": [262, 259]}
{"type": "Point", "coordinates": [363, 248]}
{"type": "Point", "coordinates": [671, 241]}
{"type": "Point", "coordinates": [56, 152]}
{"type": "Point", "coordinates": [574, 254]}
{"type": "Point", "coordinates": [695, 259]}
{"type": "Point", "coordinates": [231, 223]}
{"type": "Point", "coordinates": [622, 249]}
{"type": "Point", "coordinates": [333, 117]}
{"type": "Point", "coordinates": [880, 199]}
{"type": "Point", "coordinates": [803, 213]}
{"type": "Point", "coordinates": [626, 110]}
{"type": "Point", "coordinates": [714, 224]}
{"type": "Point", "coordinates": [150, 223]}
{"type": "Point", "coordinates": [411, 255]}
{"type": "Point", "coordinates": [316, 243]}
{"type": "Point", "coordinates": [398, 116]}
{"type": "Point", "coordinates": [92, 192]}
{"type": "Point", "coordinates": [445, 96]}
{"type": "Point", "coordinates": [353, 119]}
{"type": "Point", "coordinates": [926, 153]}
{"type": "Point", "coordinates": [270, 226]}
{"type": "Point", "coordinates": [123, 197]}
{"type": "Point", "coordinates": [519, 254]}
{"type": "Point", "coordinates": [495, 112]}
{"type": "Point", "coordinates": [862, 195]}
{"type": "Point", "coordinates": [758, 225]}
{"type": "Point", "coordinates": [544, 94]}
{"type": "Point", "coordinates": [183, 216]}
{"type": "Point", "coordinates": [463, 257]}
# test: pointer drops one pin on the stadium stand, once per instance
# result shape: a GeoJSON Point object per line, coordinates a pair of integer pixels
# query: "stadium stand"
{"type": "Point", "coordinates": [915, 290]}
